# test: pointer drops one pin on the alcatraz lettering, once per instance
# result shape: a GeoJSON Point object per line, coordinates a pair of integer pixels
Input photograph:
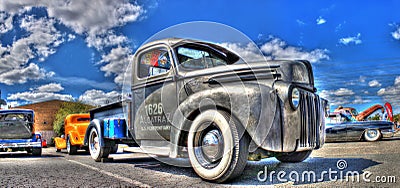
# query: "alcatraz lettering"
{"type": "Point", "coordinates": [154, 116]}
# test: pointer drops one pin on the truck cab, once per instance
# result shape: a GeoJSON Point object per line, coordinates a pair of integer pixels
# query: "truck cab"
{"type": "Point", "coordinates": [198, 100]}
{"type": "Point", "coordinates": [17, 132]}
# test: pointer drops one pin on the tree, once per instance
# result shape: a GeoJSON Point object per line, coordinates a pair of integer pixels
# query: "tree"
{"type": "Point", "coordinates": [396, 118]}
{"type": "Point", "coordinates": [376, 116]}
{"type": "Point", "coordinates": [66, 109]}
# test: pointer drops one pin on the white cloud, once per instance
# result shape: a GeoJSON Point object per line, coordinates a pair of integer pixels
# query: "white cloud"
{"type": "Point", "coordinates": [22, 75]}
{"type": "Point", "coordinates": [300, 23]}
{"type": "Point", "coordinates": [343, 92]}
{"type": "Point", "coordinates": [84, 17]}
{"type": "Point", "coordinates": [41, 42]}
{"type": "Point", "coordinates": [105, 40]}
{"type": "Point", "coordinates": [362, 79]}
{"type": "Point", "coordinates": [278, 49]}
{"type": "Point", "coordinates": [94, 20]}
{"type": "Point", "coordinates": [51, 91]}
{"type": "Point", "coordinates": [118, 60]}
{"type": "Point", "coordinates": [348, 40]}
{"type": "Point", "coordinates": [71, 37]}
{"type": "Point", "coordinates": [342, 96]}
{"type": "Point", "coordinates": [5, 22]}
{"type": "Point", "coordinates": [79, 81]}
{"type": "Point", "coordinates": [360, 100]}
{"type": "Point", "coordinates": [320, 20]}
{"type": "Point", "coordinates": [333, 99]}
{"type": "Point", "coordinates": [41, 93]}
{"type": "Point", "coordinates": [98, 97]}
{"type": "Point", "coordinates": [249, 52]}
{"type": "Point", "coordinates": [275, 48]}
{"type": "Point", "coordinates": [396, 34]}
{"type": "Point", "coordinates": [374, 83]}
{"type": "Point", "coordinates": [392, 93]}
{"type": "Point", "coordinates": [52, 88]}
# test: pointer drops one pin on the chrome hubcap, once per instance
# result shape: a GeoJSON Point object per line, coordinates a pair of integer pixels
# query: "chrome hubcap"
{"type": "Point", "coordinates": [372, 133]}
{"type": "Point", "coordinates": [94, 143]}
{"type": "Point", "coordinates": [212, 145]}
{"type": "Point", "coordinates": [68, 146]}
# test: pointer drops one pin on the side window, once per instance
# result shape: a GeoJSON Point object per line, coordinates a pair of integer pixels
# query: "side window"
{"type": "Point", "coordinates": [192, 58]}
{"type": "Point", "coordinates": [154, 62]}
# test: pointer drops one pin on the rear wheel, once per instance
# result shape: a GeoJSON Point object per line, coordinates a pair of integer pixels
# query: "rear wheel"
{"type": "Point", "coordinates": [36, 151]}
{"type": "Point", "coordinates": [72, 150]}
{"type": "Point", "coordinates": [96, 151]}
{"type": "Point", "coordinates": [217, 146]}
{"type": "Point", "coordinates": [372, 135]}
{"type": "Point", "coordinates": [293, 157]}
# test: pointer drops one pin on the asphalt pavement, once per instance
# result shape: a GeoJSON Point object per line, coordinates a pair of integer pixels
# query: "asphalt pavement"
{"type": "Point", "coordinates": [355, 164]}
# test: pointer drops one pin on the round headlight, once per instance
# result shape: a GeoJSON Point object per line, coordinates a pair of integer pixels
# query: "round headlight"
{"type": "Point", "coordinates": [295, 98]}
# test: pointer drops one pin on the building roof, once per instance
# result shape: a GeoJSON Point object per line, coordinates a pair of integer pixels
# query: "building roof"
{"type": "Point", "coordinates": [49, 101]}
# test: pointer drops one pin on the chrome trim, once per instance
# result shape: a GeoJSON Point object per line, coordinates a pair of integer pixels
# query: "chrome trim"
{"type": "Point", "coordinates": [21, 145]}
{"type": "Point", "coordinates": [311, 120]}
{"type": "Point", "coordinates": [387, 134]}
{"type": "Point", "coordinates": [212, 145]}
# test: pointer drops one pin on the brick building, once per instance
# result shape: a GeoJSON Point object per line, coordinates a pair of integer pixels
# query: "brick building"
{"type": "Point", "coordinates": [44, 116]}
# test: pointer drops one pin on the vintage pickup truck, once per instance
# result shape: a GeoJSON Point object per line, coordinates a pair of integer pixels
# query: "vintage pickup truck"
{"type": "Point", "coordinates": [198, 100]}
{"type": "Point", "coordinates": [75, 126]}
{"type": "Point", "coordinates": [17, 132]}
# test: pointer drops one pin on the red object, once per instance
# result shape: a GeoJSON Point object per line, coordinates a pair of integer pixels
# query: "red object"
{"type": "Point", "coordinates": [389, 111]}
{"type": "Point", "coordinates": [364, 114]}
{"type": "Point", "coordinates": [44, 143]}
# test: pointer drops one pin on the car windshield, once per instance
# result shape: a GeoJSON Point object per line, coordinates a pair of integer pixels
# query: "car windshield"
{"type": "Point", "coordinates": [337, 118]}
{"type": "Point", "coordinates": [192, 58]}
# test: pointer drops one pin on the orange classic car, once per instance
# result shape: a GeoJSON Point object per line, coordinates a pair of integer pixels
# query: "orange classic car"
{"type": "Point", "coordinates": [75, 126]}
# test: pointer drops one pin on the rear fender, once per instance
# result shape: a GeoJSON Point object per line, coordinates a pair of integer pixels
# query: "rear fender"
{"type": "Point", "coordinates": [74, 138]}
{"type": "Point", "coordinates": [95, 123]}
{"type": "Point", "coordinates": [60, 143]}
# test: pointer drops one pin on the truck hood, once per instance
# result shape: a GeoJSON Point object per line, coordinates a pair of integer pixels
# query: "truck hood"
{"type": "Point", "coordinates": [235, 71]}
{"type": "Point", "coordinates": [290, 71]}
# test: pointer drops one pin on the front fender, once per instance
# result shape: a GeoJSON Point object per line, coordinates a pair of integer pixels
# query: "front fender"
{"type": "Point", "coordinates": [95, 123]}
{"type": "Point", "coordinates": [253, 105]}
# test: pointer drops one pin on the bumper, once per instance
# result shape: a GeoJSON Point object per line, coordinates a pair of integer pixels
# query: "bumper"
{"type": "Point", "coordinates": [20, 144]}
{"type": "Point", "coordinates": [387, 133]}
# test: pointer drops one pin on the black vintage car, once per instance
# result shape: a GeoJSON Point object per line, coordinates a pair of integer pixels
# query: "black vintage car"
{"type": "Point", "coordinates": [339, 127]}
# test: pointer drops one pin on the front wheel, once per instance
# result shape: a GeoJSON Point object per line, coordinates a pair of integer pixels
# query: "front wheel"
{"type": "Point", "coordinates": [372, 135]}
{"type": "Point", "coordinates": [293, 157]}
{"type": "Point", "coordinates": [96, 151]}
{"type": "Point", "coordinates": [72, 150]}
{"type": "Point", "coordinates": [217, 146]}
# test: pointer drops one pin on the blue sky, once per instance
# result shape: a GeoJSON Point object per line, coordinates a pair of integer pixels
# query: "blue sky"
{"type": "Point", "coordinates": [77, 50]}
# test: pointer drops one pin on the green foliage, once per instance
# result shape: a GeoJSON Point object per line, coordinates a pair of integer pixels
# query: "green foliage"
{"type": "Point", "coordinates": [66, 109]}
{"type": "Point", "coordinates": [396, 118]}
{"type": "Point", "coordinates": [376, 116]}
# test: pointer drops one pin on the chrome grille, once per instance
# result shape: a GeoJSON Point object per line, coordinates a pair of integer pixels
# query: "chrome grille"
{"type": "Point", "coordinates": [310, 109]}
